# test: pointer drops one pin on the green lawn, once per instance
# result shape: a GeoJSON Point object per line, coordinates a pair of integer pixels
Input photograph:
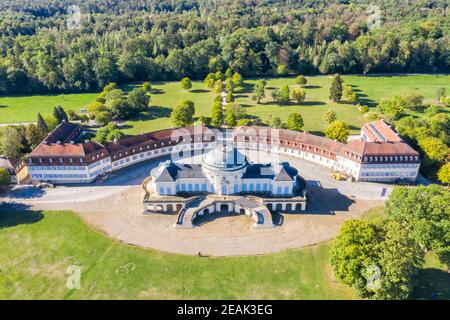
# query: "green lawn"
{"type": "Point", "coordinates": [38, 247]}
{"type": "Point", "coordinates": [25, 108]}
{"type": "Point", "coordinates": [371, 90]}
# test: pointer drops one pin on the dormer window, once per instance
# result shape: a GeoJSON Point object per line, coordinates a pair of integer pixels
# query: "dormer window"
{"type": "Point", "coordinates": [50, 160]}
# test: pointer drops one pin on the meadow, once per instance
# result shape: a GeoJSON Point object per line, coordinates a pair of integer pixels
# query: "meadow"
{"type": "Point", "coordinates": [38, 248]}
{"type": "Point", "coordinates": [370, 89]}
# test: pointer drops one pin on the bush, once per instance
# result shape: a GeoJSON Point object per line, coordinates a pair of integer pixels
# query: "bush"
{"type": "Point", "coordinates": [5, 177]}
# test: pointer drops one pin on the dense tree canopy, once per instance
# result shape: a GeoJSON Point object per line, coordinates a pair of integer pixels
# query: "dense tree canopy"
{"type": "Point", "coordinates": [423, 211]}
{"type": "Point", "coordinates": [141, 40]}
{"type": "Point", "coordinates": [378, 258]}
{"type": "Point", "coordinates": [108, 133]}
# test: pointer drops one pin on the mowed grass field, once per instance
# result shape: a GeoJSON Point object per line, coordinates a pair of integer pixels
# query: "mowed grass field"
{"type": "Point", "coordinates": [371, 89]}
{"type": "Point", "coordinates": [38, 248]}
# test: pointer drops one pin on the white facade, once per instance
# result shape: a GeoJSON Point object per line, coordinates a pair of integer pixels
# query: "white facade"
{"type": "Point", "coordinates": [224, 171]}
{"type": "Point", "coordinates": [227, 180]}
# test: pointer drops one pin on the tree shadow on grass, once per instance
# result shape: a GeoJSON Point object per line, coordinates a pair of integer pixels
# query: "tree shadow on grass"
{"type": "Point", "coordinates": [153, 112]}
{"type": "Point", "coordinates": [245, 88]}
{"type": "Point", "coordinates": [311, 87]}
{"type": "Point", "coordinates": [366, 101]}
{"type": "Point", "coordinates": [3, 106]}
{"type": "Point", "coordinates": [198, 91]}
{"type": "Point", "coordinates": [157, 91]}
{"type": "Point", "coordinates": [433, 284]}
{"type": "Point", "coordinates": [312, 103]}
{"type": "Point", "coordinates": [317, 133]}
{"type": "Point", "coordinates": [241, 96]}
{"type": "Point", "coordinates": [14, 214]}
{"type": "Point", "coordinates": [352, 127]}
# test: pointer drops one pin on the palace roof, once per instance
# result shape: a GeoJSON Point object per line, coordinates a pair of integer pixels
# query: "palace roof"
{"type": "Point", "coordinates": [359, 149]}
{"type": "Point", "coordinates": [380, 131]}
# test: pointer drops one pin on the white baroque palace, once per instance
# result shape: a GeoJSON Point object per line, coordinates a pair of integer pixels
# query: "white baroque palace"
{"type": "Point", "coordinates": [225, 181]}
{"type": "Point", "coordinates": [380, 155]}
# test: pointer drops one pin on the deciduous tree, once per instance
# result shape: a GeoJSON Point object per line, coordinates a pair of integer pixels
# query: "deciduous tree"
{"type": "Point", "coordinates": [5, 177]}
{"type": "Point", "coordinates": [299, 95]}
{"type": "Point", "coordinates": [183, 114]}
{"type": "Point", "coordinates": [330, 116]}
{"type": "Point", "coordinates": [301, 80]}
{"type": "Point", "coordinates": [444, 173]}
{"type": "Point", "coordinates": [186, 83]}
{"type": "Point", "coordinates": [259, 92]}
{"type": "Point", "coordinates": [217, 115]}
{"type": "Point", "coordinates": [338, 130]}
{"type": "Point", "coordinates": [295, 122]}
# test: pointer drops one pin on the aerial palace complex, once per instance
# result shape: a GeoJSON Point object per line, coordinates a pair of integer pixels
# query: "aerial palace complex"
{"type": "Point", "coordinates": [224, 179]}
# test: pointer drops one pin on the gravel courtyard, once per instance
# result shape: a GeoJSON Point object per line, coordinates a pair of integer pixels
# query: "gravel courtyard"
{"type": "Point", "coordinates": [114, 207]}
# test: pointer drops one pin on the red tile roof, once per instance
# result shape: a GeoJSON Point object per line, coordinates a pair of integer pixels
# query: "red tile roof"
{"type": "Point", "coordinates": [153, 137]}
{"type": "Point", "coordinates": [299, 137]}
{"type": "Point", "coordinates": [364, 148]}
{"type": "Point", "coordinates": [380, 131]}
{"type": "Point", "coordinates": [64, 132]}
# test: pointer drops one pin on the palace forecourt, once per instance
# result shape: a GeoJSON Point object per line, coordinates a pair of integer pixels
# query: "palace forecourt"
{"type": "Point", "coordinates": [225, 181]}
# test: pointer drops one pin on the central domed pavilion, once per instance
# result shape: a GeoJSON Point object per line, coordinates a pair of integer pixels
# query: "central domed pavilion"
{"type": "Point", "coordinates": [224, 181]}
{"type": "Point", "coordinates": [225, 171]}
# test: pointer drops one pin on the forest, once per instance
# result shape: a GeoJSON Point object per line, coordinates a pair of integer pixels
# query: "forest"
{"type": "Point", "coordinates": [157, 40]}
